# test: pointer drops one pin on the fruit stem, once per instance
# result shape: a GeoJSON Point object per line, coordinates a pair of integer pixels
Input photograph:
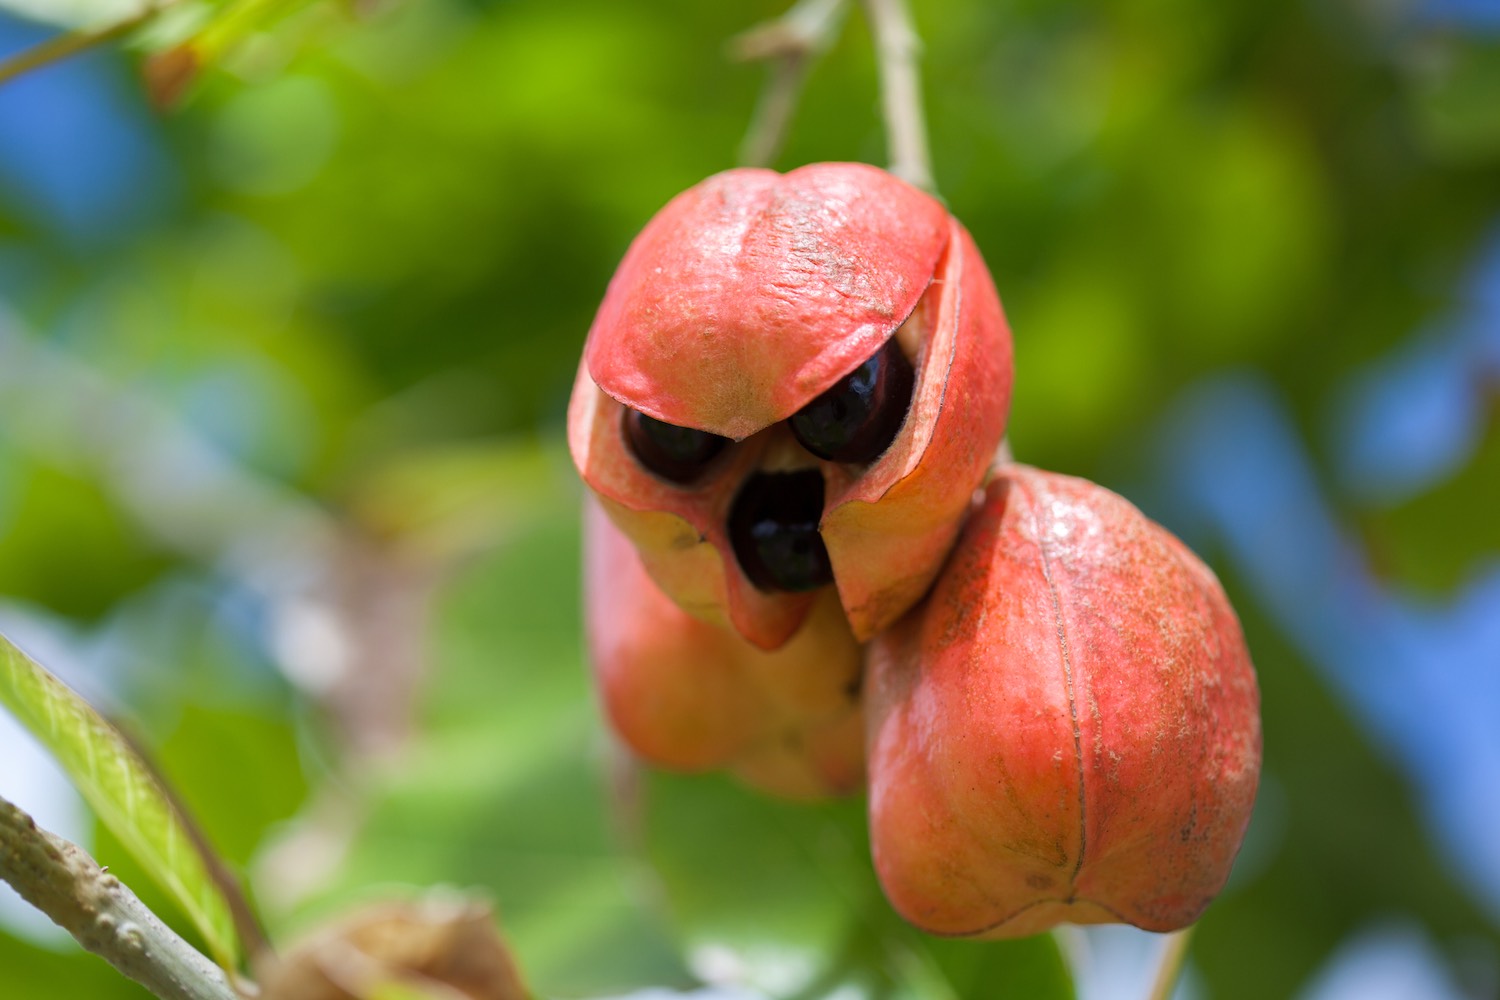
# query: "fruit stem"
{"type": "Point", "coordinates": [1173, 957]}
{"type": "Point", "coordinates": [791, 43]}
{"type": "Point", "coordinates": [896, 49]}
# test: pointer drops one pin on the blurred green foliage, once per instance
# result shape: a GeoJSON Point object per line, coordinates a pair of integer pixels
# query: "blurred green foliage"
{"type": "Point", "coordinates": [374, 253]}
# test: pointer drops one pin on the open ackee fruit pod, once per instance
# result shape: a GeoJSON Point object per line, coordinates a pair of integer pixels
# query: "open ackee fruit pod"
{"type": "Point", "coordinates": [794, 380]}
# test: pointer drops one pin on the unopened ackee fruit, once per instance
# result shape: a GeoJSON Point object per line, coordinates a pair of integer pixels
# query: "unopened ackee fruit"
{"type": "Point", "coordinates": [1067, 729]}
{"type": "Point", "coordinates": [794, 380]}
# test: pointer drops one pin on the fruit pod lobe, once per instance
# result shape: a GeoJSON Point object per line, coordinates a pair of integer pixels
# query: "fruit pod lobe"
{"type": "Point", "coordinates": [1067, 729]}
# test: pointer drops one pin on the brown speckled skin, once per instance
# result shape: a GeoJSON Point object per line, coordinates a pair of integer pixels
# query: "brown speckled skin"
{"type": "Point", "coordinates": [1067, 729]}
{"type": "Point", "coordinates": [740, 302]}
{"type": "Point", "coordinates": [691, 696]}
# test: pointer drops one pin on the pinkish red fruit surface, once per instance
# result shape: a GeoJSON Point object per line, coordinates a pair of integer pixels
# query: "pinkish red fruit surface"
{"type": "Point", "coordinates": [740, 303]}
{"type": "Point", "coordinates": [1067, 729]}
{"type": "Point", "coordinates": [691, 696]}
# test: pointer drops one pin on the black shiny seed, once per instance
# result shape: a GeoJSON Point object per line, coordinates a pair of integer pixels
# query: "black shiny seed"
{"type": "Point", "coordinates": [774, 528]}
{"type": "Point", "coordinates": [857, 419]}
{"type": "Point", "coordinates": [678, 454]}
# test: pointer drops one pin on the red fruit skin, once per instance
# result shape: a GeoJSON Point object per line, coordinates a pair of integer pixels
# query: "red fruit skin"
{"type": "Point", "coordinates": [745, 298]}
{"type": "Point", "coordinates": [751, 293]}
{"type": "Point", "coordinates": [1067, 729]}
{"type": "Point", "coordinates": [690, 696]}
{"type": "Point", "coordinates": [889, 528]}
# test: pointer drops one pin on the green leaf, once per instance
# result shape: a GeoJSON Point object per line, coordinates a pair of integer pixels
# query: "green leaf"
{"type": "Point", "coordinates": [501, 785]}
{"type": "Point", "coordinates": [976, 970]}
{"type": "Point", "coordinates": [121, 789]}
{"type": "Point", "coordinates": [774, 890]}
{"type": "Point", "coordinates": [784, 897]}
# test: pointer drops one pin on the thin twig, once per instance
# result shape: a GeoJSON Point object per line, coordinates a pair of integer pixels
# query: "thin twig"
{"type": "Point", "coordinates": [773, 114]}
{"type": "Point", "coordinates": [60, 879]}
{"type": "Point", "coordinates": [70, 43]}
{"type": "Point", "coordinates": [791, 43]}
{"type": "Point", "coordinates": [897, 48]}
{"type": "Point", "coordinates": [1173, 956]}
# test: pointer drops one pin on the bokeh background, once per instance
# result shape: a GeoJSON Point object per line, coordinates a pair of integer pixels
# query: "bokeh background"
{"type": "Point", "coordinates": [282, 484]}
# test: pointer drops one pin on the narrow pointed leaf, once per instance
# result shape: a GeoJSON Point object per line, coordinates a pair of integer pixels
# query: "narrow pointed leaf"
{"type": "Point", "coordinates": [122, 790]}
